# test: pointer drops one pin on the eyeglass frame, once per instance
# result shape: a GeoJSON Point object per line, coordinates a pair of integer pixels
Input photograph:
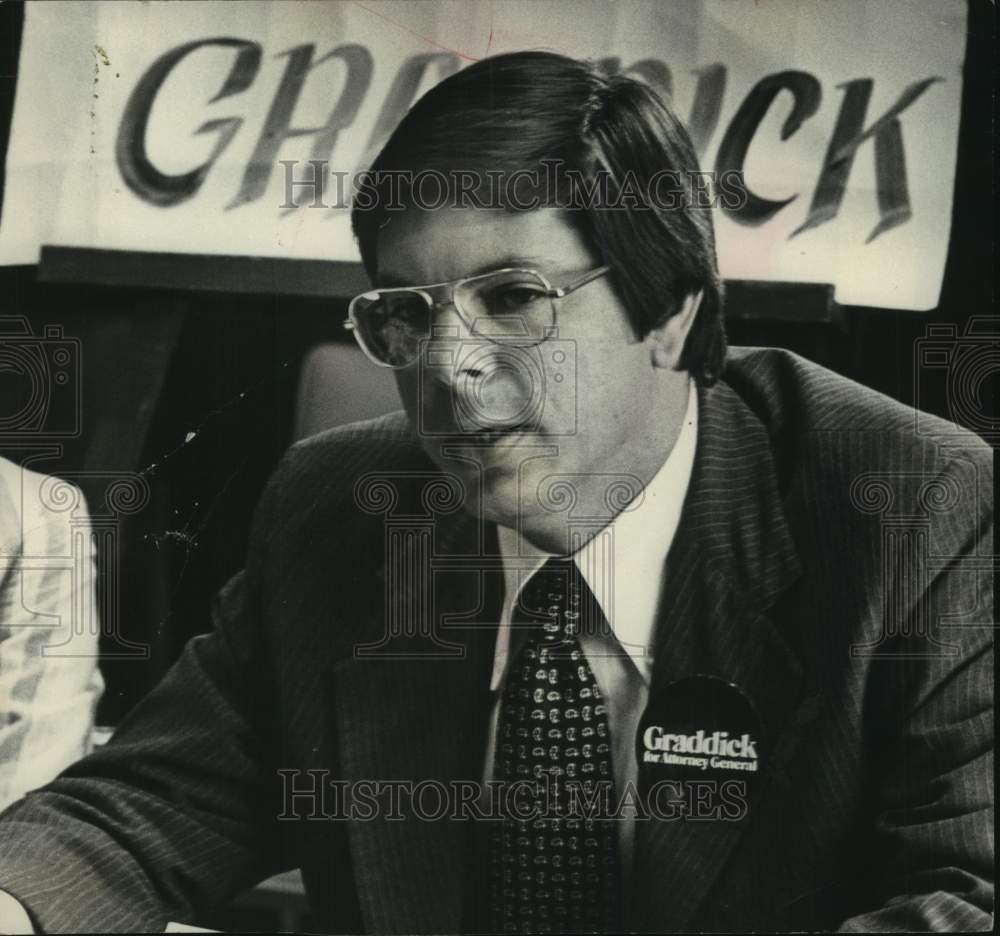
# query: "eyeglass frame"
{"type": "Point", "coordinates": [352, 322]}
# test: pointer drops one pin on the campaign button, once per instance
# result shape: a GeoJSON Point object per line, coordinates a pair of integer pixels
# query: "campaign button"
{"type": "Point", "coordinates": [700, 728]}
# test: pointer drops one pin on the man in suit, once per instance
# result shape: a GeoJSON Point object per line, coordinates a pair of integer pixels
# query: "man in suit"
{"type": "Point", "coordinates": [741, 599]}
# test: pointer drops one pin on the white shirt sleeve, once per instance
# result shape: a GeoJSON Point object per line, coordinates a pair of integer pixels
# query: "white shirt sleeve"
{"type": "Point", "coordinates": [49, 678]}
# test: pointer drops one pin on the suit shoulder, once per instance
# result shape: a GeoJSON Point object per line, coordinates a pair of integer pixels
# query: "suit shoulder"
{"type": "Point", "coordinates": [316, 479]}
{"type": "Point", "coordinates": [345, 451]}
{"type": "Point", "coordinates": [383, 441]}
{"type": "Point", "coordinates": [794, 397]}
{"type": "Point", "coordinates": [849, 459]}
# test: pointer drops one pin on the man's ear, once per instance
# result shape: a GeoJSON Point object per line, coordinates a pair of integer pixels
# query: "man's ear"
{"type": "Point", "coordinates": [667, 340]}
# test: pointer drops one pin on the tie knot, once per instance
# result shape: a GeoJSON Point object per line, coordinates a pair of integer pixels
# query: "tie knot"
{"type": "Point", "coordinates": [552, 597]}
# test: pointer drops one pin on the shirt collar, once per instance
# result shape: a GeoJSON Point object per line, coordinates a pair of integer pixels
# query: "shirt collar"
{"type": "Point", "coordinates": [623, 564]}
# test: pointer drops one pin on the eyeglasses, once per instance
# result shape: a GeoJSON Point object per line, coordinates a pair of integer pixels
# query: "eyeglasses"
{"type": "Point", "coordinates": [509, 306]}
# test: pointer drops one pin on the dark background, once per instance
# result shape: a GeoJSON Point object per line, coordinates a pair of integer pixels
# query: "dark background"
{"type": "Point", "coordinates": [160, 363]}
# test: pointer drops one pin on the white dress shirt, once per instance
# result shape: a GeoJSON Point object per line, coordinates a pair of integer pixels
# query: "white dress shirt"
{"type": "Point", "coordinates": [624, 566]}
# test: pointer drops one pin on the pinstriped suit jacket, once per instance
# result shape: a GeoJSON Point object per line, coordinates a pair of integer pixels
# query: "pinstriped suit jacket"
{"type": "Point", "coordinates": [832, 561]}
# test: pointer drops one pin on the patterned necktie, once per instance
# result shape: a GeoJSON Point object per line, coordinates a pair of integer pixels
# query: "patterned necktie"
{"type": "Point", "coordinates": [553, 868]}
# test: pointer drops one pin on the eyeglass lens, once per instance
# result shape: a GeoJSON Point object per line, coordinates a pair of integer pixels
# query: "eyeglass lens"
{"type": "Point", "coordinates": [513, 306]}
{"type": "Point", "coordinates": [394, 325]}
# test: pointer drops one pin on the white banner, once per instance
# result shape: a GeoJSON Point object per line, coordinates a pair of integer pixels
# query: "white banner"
{"type": "Point", "coordinates": [169, 126]}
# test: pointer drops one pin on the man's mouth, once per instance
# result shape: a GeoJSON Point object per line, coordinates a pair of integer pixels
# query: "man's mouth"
{"type": "Point", "coordinates": [492, 435]}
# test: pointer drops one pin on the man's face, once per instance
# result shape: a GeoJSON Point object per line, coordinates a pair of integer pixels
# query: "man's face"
{"type": "Point", "coordinates": [541, 426]}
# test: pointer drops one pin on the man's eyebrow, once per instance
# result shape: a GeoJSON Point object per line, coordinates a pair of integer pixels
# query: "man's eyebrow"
{"type": "Point", "coordinates": [519, 261]}
{"type": "Point", "coordinates": [512, 261]}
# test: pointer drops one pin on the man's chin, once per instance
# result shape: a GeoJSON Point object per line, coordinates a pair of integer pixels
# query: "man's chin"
{"type": "Point", "coordinates": [500, 495]}
{"type": "Point", "coordinates": [497, 464]}
{"type": "Point", "coordinates": [500, 488]}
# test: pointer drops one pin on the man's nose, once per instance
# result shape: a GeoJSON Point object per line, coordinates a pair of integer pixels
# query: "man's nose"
{"type": "Point", "coordinates": [487, 382]}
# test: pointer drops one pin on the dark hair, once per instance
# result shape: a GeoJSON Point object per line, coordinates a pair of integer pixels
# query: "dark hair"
{"type": "Point", "coordinates": [515, 113]}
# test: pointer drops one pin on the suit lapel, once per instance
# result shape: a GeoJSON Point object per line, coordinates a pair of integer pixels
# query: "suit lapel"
{"type": "Point", "coordinates": [732, 558]}
{"type": "Point", "coordinates": [421, 716]}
